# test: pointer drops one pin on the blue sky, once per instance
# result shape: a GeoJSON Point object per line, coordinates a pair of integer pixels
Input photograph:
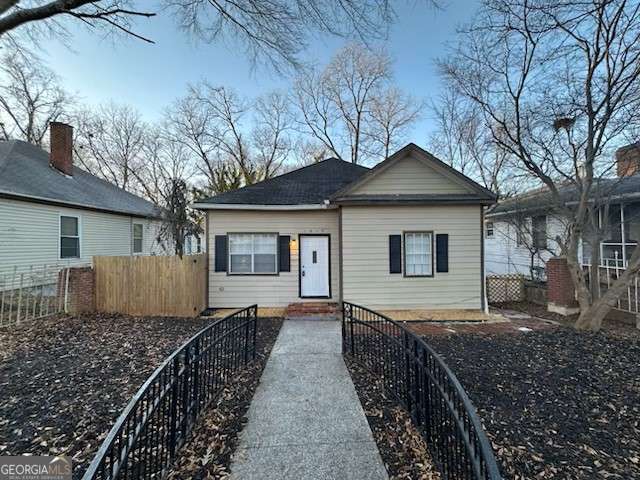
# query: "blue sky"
{"type": "Point", "coordinates": [151, 76]}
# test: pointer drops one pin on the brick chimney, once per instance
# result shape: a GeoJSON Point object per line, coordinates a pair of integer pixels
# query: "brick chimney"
{"type": "Point", "coordinates": [61, 145]}
{"type": "Point", "coordinates": [628, 160]}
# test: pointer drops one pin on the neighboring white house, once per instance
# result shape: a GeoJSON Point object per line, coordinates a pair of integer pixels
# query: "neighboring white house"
{"type": "Point", "coordinates": [54, 213]}
{"type": "Point", "coordinates": [406, 234]}
{"type": "Point", "coordinates": [521, 232]}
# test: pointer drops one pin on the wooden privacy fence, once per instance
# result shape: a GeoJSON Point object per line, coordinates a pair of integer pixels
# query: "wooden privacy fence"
{"type": "Point", "coordinates": [156, 286]}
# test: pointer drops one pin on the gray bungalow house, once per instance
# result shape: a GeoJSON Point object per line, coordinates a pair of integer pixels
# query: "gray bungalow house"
{"type": "Point", "coordinates": [407, 234]}
{"type": "Point", "coordinates": [53, 213]}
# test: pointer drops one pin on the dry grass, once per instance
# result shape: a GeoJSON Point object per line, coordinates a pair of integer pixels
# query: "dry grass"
{"type": "Point", "coordinates": [442, 315]}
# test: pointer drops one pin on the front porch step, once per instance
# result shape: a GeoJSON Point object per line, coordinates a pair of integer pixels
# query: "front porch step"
{"type": "Point", "coordinates": [312, 310]}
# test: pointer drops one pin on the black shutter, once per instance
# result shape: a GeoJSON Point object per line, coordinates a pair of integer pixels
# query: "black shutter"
{"type": "Point", "coordinates": [442, 252]}
{"type": "Point", "coordinates": [221, 253]}
{"type": "Point", "coordinates": [284, 253]}
{"type": "Point", "coordinates": [395, 253]}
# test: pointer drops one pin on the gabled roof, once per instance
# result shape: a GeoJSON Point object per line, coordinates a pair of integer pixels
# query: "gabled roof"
{"type": "Point", "coordinates": [331, 181]}
{"type": "Point", "coordinates": [25, 174]}
{"type": "Point", "coordinates": [310, 185]}
{"type": "Point", "coordinates": [477, 192]}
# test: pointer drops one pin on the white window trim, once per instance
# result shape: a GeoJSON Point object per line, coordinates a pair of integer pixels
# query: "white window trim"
{"type": "Point", "coordinates": [133, 239]}
{"type": "Point", "coordinates": [277, 265]}
{"type": "Point", "coordinates": [404, 253]}
{"type": "Point", "coordinates": [493, 227]}
{"type": "Point", "coordinates": [79, 218]}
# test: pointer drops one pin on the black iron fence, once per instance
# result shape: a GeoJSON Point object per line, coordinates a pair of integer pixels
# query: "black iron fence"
{"type": "Point", "coordinates": [159, 418]}
{"type": "Point", "coordinates": [422, 382]}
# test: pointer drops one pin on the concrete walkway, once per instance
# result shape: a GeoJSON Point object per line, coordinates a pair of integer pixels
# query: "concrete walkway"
{"type": "Point", "coordinates": [305, 420]}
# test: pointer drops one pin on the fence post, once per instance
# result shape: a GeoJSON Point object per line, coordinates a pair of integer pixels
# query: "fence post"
{"type": "Point", "coordinates": [196, 380]}
{"type": "Point", "coordinates": [254, 314]}
{"type": "Point", "coordinates": [248, 320]}
{"type": "Point", "coordinates": [351, 336]}
{"type": "Point", "coordinates": [173, 412]}
{"type": "Point", "coordinates": [20, 299]}
{"type": "Point", "coordinates": [407, 372]}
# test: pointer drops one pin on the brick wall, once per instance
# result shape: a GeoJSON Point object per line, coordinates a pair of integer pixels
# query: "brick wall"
{"type": "Point", "coordinates": [560, 290]}
{"type": "Point", "coordinates": [81, 296]}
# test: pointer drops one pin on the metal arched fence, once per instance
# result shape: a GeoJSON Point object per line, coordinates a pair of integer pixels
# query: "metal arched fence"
{"type": "Point", "coordinates": [422, 382]}
{"type": "Point", "coordinates": [157, 421]}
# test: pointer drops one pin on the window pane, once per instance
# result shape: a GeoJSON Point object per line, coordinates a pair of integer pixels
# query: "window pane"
{"type": "Point", "coordinates": [264, 244]}
{"type": "Point", "coordinates": [137, 245]}
{"type": "Point", "coordinates": [418, 254]}
{"type": "Point", "coordinates": [241, 263]}
{"type": "Point", "coordinates": [69, 226]}
{"type": "Point", "coordinates": [69, 247]}
{"type": "Point", "coordinates": [240, 244]}
{"type": "Point", "coordinates": [264, 263]}
{"type": "Point", "coordinates": [137, 230]}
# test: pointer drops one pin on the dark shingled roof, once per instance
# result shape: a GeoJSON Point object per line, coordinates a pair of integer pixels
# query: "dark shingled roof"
{"type": "Point", "coordinates": [542, 200]}
{"type": "Point", "coordinates": [310, 185]}
{"type": "Point", "coordinates": [25, 172]}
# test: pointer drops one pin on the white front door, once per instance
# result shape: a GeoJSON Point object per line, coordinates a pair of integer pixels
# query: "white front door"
{"type": "Point", "coordinates": [314, 266]}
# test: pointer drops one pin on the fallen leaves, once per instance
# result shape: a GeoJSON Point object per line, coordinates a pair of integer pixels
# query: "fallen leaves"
{"type": "Point", "coordinates": [556, 404]}
{"type": "Point", "coordinates": [65, 380]}
{"type": "Point", "coordinates": [402, 448]}
{"type": "Point", "coordinates": [207, 455]}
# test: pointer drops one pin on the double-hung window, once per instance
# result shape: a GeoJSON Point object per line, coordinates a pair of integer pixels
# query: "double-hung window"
{"type": "Point", "coordinates": [69, 237]}
{"type": "Point", "coordinates": [138, 232]}
{"type": "Point", "coordinates": [418, 254]}
{"type": "Point", "coordinates": [253, 253]}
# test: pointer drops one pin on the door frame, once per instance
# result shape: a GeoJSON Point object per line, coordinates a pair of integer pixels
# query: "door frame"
{"type": "Point", "coordinates": [300, 235]}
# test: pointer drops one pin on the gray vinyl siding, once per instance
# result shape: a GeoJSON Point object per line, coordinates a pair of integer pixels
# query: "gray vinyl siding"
{"type": "Point", "coordinates": [29, 234]}
{"type": "Point", "coordinates": [366, 277]}
{"type": "Point", "coordinates": [410, 176]}
{"type": "Point", "coordinates": [228, 291]}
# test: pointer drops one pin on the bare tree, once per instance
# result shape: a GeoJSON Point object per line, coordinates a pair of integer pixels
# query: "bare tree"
{"type": "Point", "coordinates": [392, 115]}
{"type": "Point", "coordinates": [558, 84]}
{"type": "Point", "coordinates": [30, 98]}
{"type": "Point", "coordinates": [464, 141]}
{"type": "Point", "coordinates": [161, 162]}
{"type": "Point", "coordinates": [277, 31]}
{"type": "Point", "coordinates": [212, 123]}
{"type": "Point", "coordinates": [46, 16]}
{"type": "Point", "coordinates": [191, 123]}
{"type": "Point", "coordinates": [271, 140]}
{"type": "Point", "coordinates": [109, 143]}
{"type": "Point", "coordinates": [351, 106]}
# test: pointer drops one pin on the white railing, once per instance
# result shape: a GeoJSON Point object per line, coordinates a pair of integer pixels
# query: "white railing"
{"type": "Point", "coordinates": [609, 271]}
{"type": "Point", "coordinates": [31, 292]}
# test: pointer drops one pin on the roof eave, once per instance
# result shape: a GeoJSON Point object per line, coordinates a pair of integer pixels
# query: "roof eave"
{"type": "Point", "coordinates": [444, 201]}
{"type": "Point", "coordinates": [61, 203]}
{"type": "Point", "coordinates": [249, 206]}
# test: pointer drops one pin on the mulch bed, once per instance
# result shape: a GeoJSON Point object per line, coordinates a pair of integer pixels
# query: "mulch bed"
{"type": "Point", "coordinates": [401, 447]}
{"type": "Point", "coordinates": [208, 453]}
{"type": "Point", "coordinates": [64, 381]}
{"type": "Point", "coordinates": [557, 404]}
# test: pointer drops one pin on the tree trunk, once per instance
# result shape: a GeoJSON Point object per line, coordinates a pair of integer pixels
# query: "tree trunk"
{"type": "Point", "coordinates": [592, 316]}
